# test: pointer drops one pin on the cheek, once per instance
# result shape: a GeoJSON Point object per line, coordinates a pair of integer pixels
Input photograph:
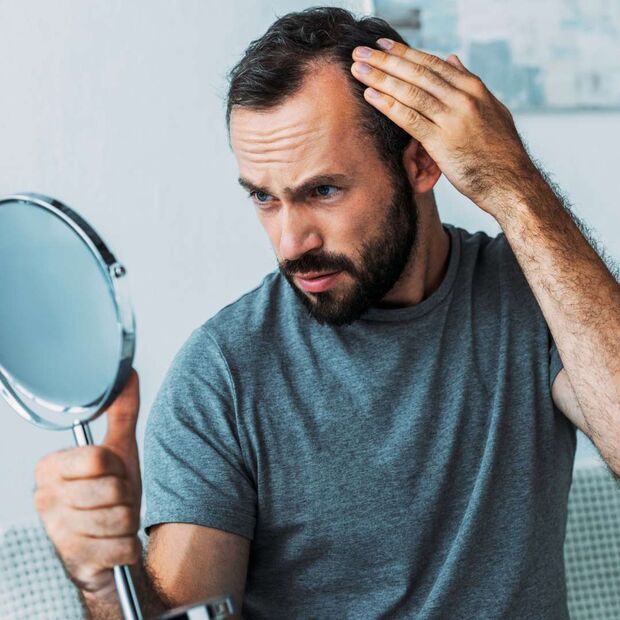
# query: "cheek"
{"type": "Point", "coordinates": [346, 235]}
{"type": "Point", "coordinates": [356, 222]}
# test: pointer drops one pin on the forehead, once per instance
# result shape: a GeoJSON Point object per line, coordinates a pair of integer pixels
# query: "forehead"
{"type": "Point", "coordinates": [314, 131]}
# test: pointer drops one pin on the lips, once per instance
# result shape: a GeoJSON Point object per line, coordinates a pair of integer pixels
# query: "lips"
{"type": "Point", "coordinates": [315, 274]}
{"type": "Point", "coordinates": [316, 282]}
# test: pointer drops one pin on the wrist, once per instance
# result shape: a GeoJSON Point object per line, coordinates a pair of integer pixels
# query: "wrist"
{"type": "Point", "coordinates": [101, 605]}
{"type": "Point", "coordinates": [527, 191]}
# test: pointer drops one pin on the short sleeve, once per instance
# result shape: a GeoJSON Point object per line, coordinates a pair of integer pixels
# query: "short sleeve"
{"type": "Point", "coordinates": [555, 362]}
{"type": "Point", "coordinates": [194, 471]}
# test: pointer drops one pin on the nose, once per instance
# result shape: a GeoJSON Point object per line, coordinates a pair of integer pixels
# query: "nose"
{"type": "Point", "coordinates": [298, 234]}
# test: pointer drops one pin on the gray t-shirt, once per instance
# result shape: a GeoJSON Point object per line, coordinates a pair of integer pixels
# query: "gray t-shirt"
{"type": "Point", "coordinates": [409, 465]}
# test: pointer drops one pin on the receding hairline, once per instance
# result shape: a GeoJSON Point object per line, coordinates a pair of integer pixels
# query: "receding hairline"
{"type": "Point", "coordinates": [328, 59]}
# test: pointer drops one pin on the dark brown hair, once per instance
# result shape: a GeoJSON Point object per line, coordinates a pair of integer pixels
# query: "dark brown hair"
{"type": "Point", "coordinates": [274, 66]}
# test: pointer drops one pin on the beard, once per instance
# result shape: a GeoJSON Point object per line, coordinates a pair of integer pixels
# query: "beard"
{"type": "Point", "coordinates": [382, 260]}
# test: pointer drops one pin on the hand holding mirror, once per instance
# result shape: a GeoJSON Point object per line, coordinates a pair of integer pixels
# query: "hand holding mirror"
{"type": "Point", "coordinates": [67, 335]}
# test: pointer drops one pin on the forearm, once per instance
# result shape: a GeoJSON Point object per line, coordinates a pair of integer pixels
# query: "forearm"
{"type": "Point", "coordinates": [580, 300]}
{"type": "Point", "coordinates": [152, 600]}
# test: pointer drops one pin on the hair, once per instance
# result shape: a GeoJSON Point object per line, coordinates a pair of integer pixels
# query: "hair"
{"type": "Point", "coordinates": [274, 66]}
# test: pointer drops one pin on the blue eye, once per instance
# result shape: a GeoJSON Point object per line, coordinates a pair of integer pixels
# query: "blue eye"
{"type": "Point", "coordinates": [323, 194]}
{"type": "Point", "coordinates": [323, 191]}
{"type": "Point", "coordinates": [259, 196]}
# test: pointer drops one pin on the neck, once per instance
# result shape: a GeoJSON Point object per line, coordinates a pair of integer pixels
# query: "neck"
{"type": "Point", "coordinates": [428, 260]}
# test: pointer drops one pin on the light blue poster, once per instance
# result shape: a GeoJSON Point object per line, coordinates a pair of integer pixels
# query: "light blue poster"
{"type": "Point", "coordinates": [553, 55]}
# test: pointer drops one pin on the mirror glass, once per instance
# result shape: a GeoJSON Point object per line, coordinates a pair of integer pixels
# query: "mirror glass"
{"type": "Point", "coordinates": [60, 338]}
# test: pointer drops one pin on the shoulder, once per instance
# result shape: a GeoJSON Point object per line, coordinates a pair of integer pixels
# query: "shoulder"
{"type": "Point", "coordinates": [489, 260]}
{"type": "Point", "coordinates": [495, 285]}
{"type": "Point", "coordinates": [234, 332]}
{"type": "Point", "coordinates": [490, 278]}
{"type": "Point", "coordinates": [246, 324]}
{"type": "Point", "coordinates": [479, 248]}
{"type": "Point", "coordinates": [253, 312]}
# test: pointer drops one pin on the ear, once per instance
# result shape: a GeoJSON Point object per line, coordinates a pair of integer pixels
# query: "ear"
{"type": "Point", "coordinates": [421, 169]}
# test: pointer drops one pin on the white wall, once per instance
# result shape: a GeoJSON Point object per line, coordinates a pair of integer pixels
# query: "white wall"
{"type": "Point", "coordinates": [116, 108]}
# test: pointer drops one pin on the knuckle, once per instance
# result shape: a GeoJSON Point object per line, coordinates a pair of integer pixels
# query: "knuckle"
{"type": "Point", "coordinates": [478, 86]}
{"type": "Point", "coordinates": [470, 105]}
{"type": "Point", "coordinates": [43, 500]}
{"type": "Point", "coordinates": [117, 492]}
{"type": "Point", "coordinates": [127, 550]}
{"type": "Point", "coordinates": [434, 80]}
{"type": "Point", "coordinates": [100, 461]}
{"type": "Point", "coordinates": [97, 461]}
{"type": "Point", "coordinates": [436, 107]}
{"type": "Point", "coordinates": [383, 57]}
{"type": "Point", "coordinates": [379, 76]}
{"type": "Point", "coordinates": [127, 519]}
{"type": "Point", "coordinates": [505, 109]}
{"type": "Point", "coordinates": [57, 532]}
{"type": "Point", "coordinates": [390, 104]}
{"type": "Point", "coordinates": [419, 70]}
{"type": "Point", "coordinates": [44, 468]}
{"type": "Point", "coordinates": [412, 117]}
{"type": "Point", "coordinates": [412, 92]}
{"type": "Point", "coordinates": [434, 61]}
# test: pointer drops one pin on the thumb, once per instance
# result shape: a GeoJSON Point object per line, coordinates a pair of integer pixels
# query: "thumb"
{"type": "Point", "coordinates": [122, 420]}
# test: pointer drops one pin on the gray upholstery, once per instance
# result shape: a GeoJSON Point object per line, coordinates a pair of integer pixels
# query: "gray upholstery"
{"type": "Point", "coordinates": [33, 584]}
{"type": "Point", "coordinates": [592, 545]}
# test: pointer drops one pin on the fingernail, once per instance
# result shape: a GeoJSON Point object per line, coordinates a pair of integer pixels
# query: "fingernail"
{"type": "Point", "coordinates": [372, 93]}
{"type": "Point", "coordinates": [361, 67]}
{"type": "Point", "coordinates": [386, 44]}
{"type": "Point", "coordinates": [363, 52]}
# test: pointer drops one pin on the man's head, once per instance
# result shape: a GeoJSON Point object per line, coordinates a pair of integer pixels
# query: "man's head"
{"type": "Point", "coordinates": [329, 174]}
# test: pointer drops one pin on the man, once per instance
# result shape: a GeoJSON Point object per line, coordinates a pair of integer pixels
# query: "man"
{"type": "Point", "coordinates": [385, 426]}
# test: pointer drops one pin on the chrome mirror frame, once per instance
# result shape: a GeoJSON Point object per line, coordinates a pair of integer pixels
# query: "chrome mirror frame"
{"type": "Point", "coordinates": [25, 403]}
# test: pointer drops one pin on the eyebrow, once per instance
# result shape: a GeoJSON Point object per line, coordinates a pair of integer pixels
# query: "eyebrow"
{"type": "Point", "coordinates": [306, 186]}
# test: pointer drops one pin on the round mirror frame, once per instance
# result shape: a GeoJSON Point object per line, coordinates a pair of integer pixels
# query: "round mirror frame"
{"type": "Point", "coordinates": [50, 415]}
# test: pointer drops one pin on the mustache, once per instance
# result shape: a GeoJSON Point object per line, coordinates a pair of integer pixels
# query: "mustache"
{"type": "Point", "coordinates": [317, 262]}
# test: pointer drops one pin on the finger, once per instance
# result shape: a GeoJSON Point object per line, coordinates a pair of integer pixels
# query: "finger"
{"type": "Point", "coordinates": [122, 416]}
{"type": "Point", "coordinates": [407, 93]}
{"type": "Point", "coordinates": [87, 553]}
{"type": "Point", "coordinates": [88, 494]}
{"type": "Point", "coordinates": [126, 550]}
{"type": "Point", "coordinates": [101, 492]}
{"type": "Point", "coordinates": [454, 60]}
{"type": "Point", "coordinates": [47, 469]}
{"type": "Point", "coordinates": [450, 74]}
{"type": "Point", "coordinates": [412, 73]}
{"type": "Point", "coordinates": [105, 522]}
{"type": "Point", "coordinates": [88, 462]}
{"type": "Point", "coordinates": [405, 117]}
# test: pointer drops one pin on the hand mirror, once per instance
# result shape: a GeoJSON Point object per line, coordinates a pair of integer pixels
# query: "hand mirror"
{"type": "Point", "coordinates": [67, 334]}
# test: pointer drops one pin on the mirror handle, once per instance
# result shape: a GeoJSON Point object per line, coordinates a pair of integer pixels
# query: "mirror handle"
{"type": "Point", "coordinates": [122, 576]}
